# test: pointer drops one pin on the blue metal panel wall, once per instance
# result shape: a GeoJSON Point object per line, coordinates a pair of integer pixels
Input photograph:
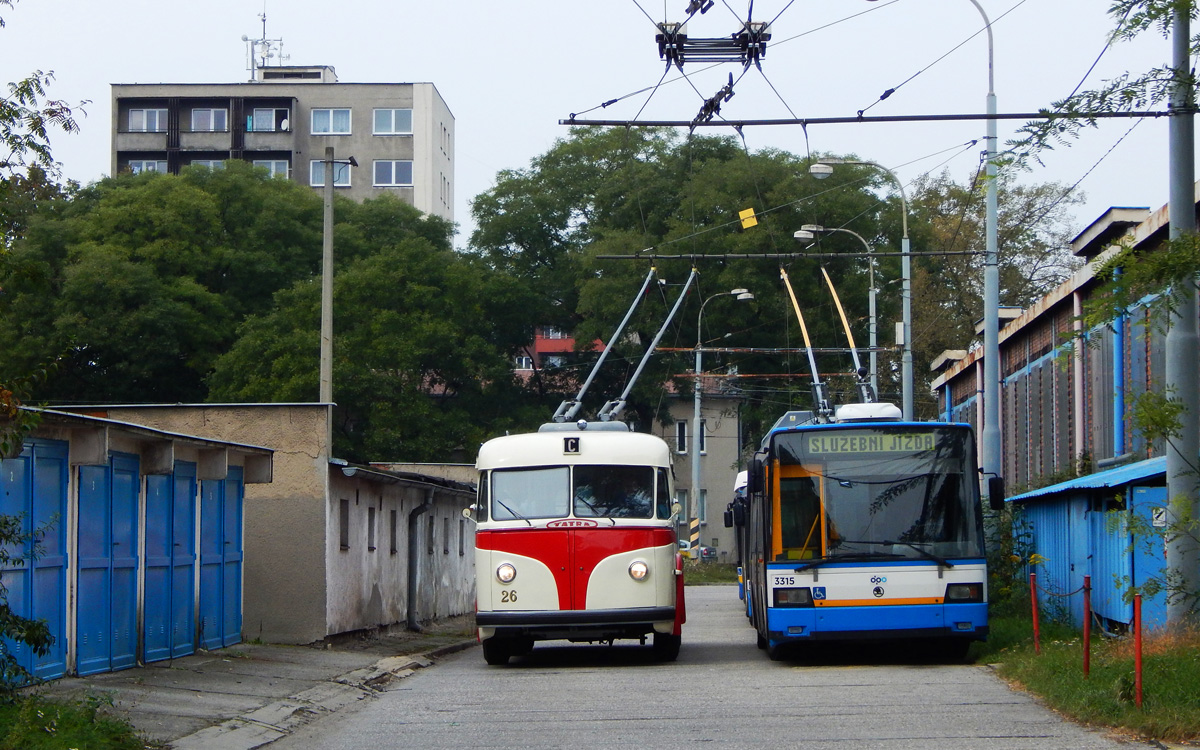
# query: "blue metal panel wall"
{"type": "Point", "coordinates": [1111, 569]}
{"type": "Point", "coordinates": [233, 553]}
{"type": "Point", "coordinates": [106, 616]}
{"type": "Point", "coordinates": [34, 486]}
{"type": "Point", "coordinates": [183, 561]}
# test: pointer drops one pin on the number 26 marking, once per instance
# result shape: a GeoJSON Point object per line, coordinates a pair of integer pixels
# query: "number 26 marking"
{"type": "Point", "coordinates": [508, 597]}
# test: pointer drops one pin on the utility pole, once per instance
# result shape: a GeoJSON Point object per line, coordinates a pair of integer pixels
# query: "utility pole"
{"type": "Point", "coordinates": [1183, 380]}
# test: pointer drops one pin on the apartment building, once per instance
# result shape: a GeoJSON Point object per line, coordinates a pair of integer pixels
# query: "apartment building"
{"type": "Point", "coordinates": [400, 135]}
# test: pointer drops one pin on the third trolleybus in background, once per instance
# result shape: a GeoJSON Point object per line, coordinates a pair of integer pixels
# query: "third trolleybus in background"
{"type": "Point", "coordinates": [865, 527]}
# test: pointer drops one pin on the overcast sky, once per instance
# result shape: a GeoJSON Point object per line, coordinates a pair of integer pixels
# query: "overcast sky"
{"type": "Point", "coordinates": [511, 71]}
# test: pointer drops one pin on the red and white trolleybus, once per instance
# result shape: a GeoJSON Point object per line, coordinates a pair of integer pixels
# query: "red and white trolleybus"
{"type": "Point", "coordinates": [576, 540]}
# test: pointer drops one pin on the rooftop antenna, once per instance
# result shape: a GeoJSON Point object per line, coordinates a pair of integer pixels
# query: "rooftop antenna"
{"type": "Point", "coordinates": [260, 52]}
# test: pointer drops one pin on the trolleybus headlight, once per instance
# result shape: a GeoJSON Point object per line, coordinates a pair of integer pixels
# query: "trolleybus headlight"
{"type": "Point", "coordinates": [506, 573]}
{"type": "Point", "coordinates": [964, 593]}
{"type": "Point", "coordinates": [793, 597]}
{"type": "Point", "coordinates": [638, 570]}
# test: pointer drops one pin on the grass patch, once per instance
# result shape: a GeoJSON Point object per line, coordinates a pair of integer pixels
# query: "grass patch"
{"type": "Point", "coordinates": [1170, 676]}
{"type": "Point", "coordinates": [32, 722]}
{"type": "Point", "coordinates": [698, 572]}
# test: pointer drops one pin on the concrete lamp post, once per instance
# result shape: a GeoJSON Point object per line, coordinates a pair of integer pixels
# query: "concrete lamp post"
{"type": "Point", "coordinates": [822, 169]}
{"type": "Point", "coordinates": [694, 516]}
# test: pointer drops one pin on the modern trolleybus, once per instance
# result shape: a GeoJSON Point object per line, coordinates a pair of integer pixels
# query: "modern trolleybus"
{"type": "Point", "coordinates": [865, 527]}
{"type": "Point", "coordinates": [576, 540]}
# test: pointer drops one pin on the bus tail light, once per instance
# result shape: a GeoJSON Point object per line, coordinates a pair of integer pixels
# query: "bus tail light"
{"type": "Point", "coordinates": [964, 593]}
{"type": "Point", "coordinates": [638, 570]}
{"type": "Point", "coordinates": [793, 597]}
{"type": "Point", "coordinates": [506, 573]}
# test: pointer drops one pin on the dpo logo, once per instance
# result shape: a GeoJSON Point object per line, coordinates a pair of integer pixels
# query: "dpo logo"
{"type": "Point", "coordinates": [878, 579]}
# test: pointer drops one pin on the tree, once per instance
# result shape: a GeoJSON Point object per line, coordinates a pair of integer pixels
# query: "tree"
{"type": "Point", "coordinates": [422, 352]}
{"type": "Point", "coordinates": [1034, 229]}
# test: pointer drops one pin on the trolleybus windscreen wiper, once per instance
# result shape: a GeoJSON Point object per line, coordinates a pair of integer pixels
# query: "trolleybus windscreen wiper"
{"type": "Point", "coordinates": [513, 513]}
{"type": "Point", "coordinates": [846, 557]}
{"type": "Point", "coordinates": [891, 543]}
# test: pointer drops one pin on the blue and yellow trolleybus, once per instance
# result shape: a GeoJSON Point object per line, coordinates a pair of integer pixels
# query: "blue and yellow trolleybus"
{"type": "Point", "coordinates": [865, 527]}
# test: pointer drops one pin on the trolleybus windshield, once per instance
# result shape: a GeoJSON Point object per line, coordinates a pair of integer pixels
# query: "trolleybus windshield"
{"type": "Point", "coordinates": [590, 491]}
{"type": "Point", "coordinates": [867, 493]}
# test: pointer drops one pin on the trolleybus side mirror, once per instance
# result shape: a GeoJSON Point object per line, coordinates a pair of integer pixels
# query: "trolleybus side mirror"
{"type": "Point", "coordinates": [739, 514]}
{"type": "Point", "coordinates": [729, 517]}
{"type": "Point", "coordinates": [996, 492]}
{"type": "Point", "coordinates": [676, 509]}
{"type": "Point", "coordinates": [467, 512]}
{"type": "Point", "coordinates": [754, 476]}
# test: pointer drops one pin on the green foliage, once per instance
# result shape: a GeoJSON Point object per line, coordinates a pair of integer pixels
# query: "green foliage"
{"type": "Point", "coordinates": [37, 723]}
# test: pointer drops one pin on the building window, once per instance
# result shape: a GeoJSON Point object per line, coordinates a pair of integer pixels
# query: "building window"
{"type": "Point", "coordinates": [393, 173]}
{"type": "Point", "coordinates": [551, 332]}
{"type": "Point", "coordinates": [210, 120]}
{"type": "Point", "coordinates": [275, 167]}
{"type": "Point", "coordinates": [147, 120]}
{"type": "Point", "coordinates": [137, 166]}
{"type": "Point", "coordinates": [554, 360]}
{"type": "Point", "coordinates": [395, 541]}
{"type": "Point", "coordinates": [681, 437]}
{"type": "Point", "coordinates": [331, 122]}
{"type": "Point", "coordinates": [523, 363]}
{"type": "Point", "coordinates": [268, 120]}
{"type": "Point", "coordinates": [344, 523]}
{"type": "Point", "coordinates": [681, 497]}
{"type": "Point", "coordinates": [702, 506]}
{"type": "Point", "coordinates": [702, 438]}
{"type": "Point", "coordinates": [209, 163]}
{"type": "Point", "coordinates": [371, 528]}
{"type": "Point", "coordinates": [393, 122]}
{"type": "Point", "coordinates": [316, 176]}
{"type": "Point", "coordinates": [462, 537]}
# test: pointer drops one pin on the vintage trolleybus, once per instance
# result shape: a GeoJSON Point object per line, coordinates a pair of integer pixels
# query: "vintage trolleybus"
{"type": "Point", "coordinates": [576, 540]}
{"type": "Point", "coordinates": [865, 527]}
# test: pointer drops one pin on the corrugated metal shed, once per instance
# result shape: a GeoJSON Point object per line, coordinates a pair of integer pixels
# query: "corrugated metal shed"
{"type": "Point", "coordinates": [1112, 478]}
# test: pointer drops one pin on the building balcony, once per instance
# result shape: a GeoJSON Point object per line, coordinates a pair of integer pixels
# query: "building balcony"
{"type": "Point", "coordinates": [205, 141]}
{"type": "Point", "coordinates": [270, 140]}
{"type": "Point", "coordinates": [141, 141]}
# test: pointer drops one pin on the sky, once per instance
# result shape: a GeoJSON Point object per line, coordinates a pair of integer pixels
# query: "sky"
{"type": "Point", "coordinates": [511, 72]}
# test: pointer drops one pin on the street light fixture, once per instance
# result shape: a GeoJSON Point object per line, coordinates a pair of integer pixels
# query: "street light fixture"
{"type": "Point", "coordinates": [822, 169]}
{"type": "Point", "coordinates": [694, 516]}
{"type": "Point", "coordinates": [809, 231]}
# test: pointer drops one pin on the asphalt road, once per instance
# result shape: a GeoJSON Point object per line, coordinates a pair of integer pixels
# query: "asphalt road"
{"type": "Point", "coordinates": [722, 692]}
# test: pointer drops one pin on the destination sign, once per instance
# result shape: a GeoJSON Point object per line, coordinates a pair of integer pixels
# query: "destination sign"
{"type": "Point", "coordinates": [896, 442]}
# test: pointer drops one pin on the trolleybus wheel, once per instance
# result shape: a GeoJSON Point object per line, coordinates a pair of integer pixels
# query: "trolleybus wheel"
{"type": "Point", "coordinates": [761, 642]}
{"type": "Point", "coordinates": [496, 651]}
{"type": "Point", "coordinates": [775, 651]}
{"type": "Point", "coordinates": [666, 646]}
{"type": "Point", "coordinates": [955, 649]}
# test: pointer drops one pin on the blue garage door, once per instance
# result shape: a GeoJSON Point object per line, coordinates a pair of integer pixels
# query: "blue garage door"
{"type": "Point", "coordinates": [106, 619]}
{"type": "Point", "coordinates": [221, 560]}
{"type": "Point", "coordinates": [1149, 555]}
{"type": "Point", "coordinates": [170, 564]}
{"type": "Point", "coordinates": [33, 486]}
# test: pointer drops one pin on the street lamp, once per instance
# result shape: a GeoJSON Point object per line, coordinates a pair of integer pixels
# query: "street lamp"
{"type": "Point", "coordinates": [694, 516]}
{"type": "Point", "coordinates": [822, 169]}
{"type": "Point", "coordinates": [810, 230]}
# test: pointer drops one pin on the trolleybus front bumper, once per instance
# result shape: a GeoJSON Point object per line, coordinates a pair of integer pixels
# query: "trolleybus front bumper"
{"type": "Point", "coordinates": [878, 622]}
{"type": "Point", "coordinates": [577, 624]}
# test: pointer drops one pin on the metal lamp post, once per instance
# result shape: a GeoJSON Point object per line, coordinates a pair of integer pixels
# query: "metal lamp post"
{"type": "Point", "coordinates": [818, 229]}
{"type": "Point", "coordinates": [822, 169]}
{"type": "Point", "coordinates": [694, 515]}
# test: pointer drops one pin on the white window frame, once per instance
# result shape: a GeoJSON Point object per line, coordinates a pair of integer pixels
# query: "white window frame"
{"type": "Point", "coordinates": [523, 362]}
{"type": "Point", "coordinates": [316, 174]}
{"type": "Point", "coordinates": [702, 438]}
{"type": "Point", "coordinates": [214, 114]}
{"type": "Point", "coordinates": [392, 182]}
{"type": "Point", "coordinates": [159, 116]}
{"type": "Point", "coordinates": [208, 163]}
{"type": "Point", "coordinates": [390, 126]}
{"type": "Point", "coordinates": [274, 167]}
{"type": "Point", "coordinates": [330, 113]}
{"type": "Point", "coordinates": [681, 437]}
{"type": "Point", "coordinates": [137, 166]}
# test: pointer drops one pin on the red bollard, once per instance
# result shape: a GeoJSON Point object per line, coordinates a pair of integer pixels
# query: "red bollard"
{"type": "Point", "coordinates": [1087, 625]}
{"type": "Point", "coordinates": [1037, 641]}
{"type": "Point", "coordinates": [1137, 650]}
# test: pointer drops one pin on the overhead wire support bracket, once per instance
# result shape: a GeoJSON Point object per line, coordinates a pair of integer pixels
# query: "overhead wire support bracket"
{"type": "Point", "coordinates": [747, 46]}
{"type": "Point", "coordinates": [712, 106]}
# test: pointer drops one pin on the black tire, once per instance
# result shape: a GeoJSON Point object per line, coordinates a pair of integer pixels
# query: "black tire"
{"type": "Point", "coordinates": [666, 646]}
{"type": "Point", "coordinates": [761, 642]}
{"type": "Point", "coordinates": [955, 649]}
{"type": "Point", "coordinates": [496, 651]}
{"type": "Point", "coordinates": [776, 652]}
{"type": "Point", "coordinates": [521, 647]}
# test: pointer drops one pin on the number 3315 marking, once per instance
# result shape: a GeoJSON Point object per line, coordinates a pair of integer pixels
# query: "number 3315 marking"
{"type": "Point", "coordinates": [508, 597]}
